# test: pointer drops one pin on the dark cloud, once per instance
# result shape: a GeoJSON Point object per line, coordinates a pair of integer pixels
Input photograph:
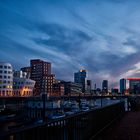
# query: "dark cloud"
{"type": "Point", "coordinates": [93, 34]}
{"type": "Point", "coordinates": [62, 38]}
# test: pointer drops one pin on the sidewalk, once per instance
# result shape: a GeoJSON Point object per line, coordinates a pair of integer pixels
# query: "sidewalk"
{"type": "Point", "coordinates": [128, 128]}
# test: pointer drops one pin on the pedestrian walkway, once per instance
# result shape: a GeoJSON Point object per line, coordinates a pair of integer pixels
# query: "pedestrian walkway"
{"type": "Point", "coordinates": [128, 128]}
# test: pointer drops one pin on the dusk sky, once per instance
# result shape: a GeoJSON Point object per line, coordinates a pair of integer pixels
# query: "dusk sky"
{"type": "Point", "coordinates": [101, 36]}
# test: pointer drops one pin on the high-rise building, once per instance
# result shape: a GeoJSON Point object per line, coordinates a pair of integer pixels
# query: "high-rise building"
{"type": "Point", "coordinates": [105, 86]}
{"type": "Point", "coordinates": [6, 79]}
{"type": "Point", "coordinates": [134, 85]}
{"type": "Point", "coordinates": [89, 86]}
{"type": "Point", "coordinates": [79, 77]}
{"type": "Point", "coordinates": [41, 73]}
{"type": "Point", "coordinates": [122, 86]}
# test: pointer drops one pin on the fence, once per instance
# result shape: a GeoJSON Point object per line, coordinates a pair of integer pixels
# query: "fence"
{"type": "Point", "coordinates": [81, 126]}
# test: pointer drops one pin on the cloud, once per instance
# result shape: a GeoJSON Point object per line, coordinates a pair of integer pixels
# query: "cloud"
{"type": "Point", "coordinates": [101, 36]}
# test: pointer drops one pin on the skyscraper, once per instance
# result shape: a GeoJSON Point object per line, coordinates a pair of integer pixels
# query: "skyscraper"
{"type": "Point", "coordinates": [105, 86]}
{"type": "Point", "coordinates": [122, 85]}
{"type": "Point", "coordinates": [79, 77]}
{"type": "Point", "coordinates": [41, 73]}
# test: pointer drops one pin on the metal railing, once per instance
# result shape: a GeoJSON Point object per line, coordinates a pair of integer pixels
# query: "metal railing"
{"type": "Point", "coordinates": [81, 126]}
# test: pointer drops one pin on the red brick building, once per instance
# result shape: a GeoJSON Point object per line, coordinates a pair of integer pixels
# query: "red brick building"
{"type": "Point", "coordinates": [41, 73]}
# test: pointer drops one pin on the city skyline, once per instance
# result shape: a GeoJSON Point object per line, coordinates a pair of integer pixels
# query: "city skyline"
{"type": "Point", "coordinates": [99, 36]}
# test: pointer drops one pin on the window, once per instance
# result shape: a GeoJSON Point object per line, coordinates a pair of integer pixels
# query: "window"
{"type": "Point", "coordinates": [4, 86]}
{"type": "Point", "coordinates": [0, 71]}
{"type": "Point", "coordinates": [1, 66]}
{"type": "Point", "coordinates": [0, 76]}
{"type": "Point", "coordinates": [9, 77]}
{"type": "Point", "coordinates": [5, 76]}
{"type": "Point", "coordinates": [5, 71]}
{"type": "Point", "coordinates": [5, 67]}
{"type": "Point", "coordinates": [9, 67]}
{"type": "Point", "coordinates": [4, 82]}
{"type": "Point", "coordinates": [9, 72]}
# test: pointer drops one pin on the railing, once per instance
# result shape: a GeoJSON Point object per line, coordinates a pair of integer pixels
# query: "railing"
{"type": "Point", "coordinates": [82, 126]}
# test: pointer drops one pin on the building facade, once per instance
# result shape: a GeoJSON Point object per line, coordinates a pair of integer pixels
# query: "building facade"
{"type": "Point", "coordinates": [23, 87]}
{"type": "Point", "coordinates": [105, 86]}
{"type": "Point", "coordinates": [6, 79]}
{"type": "Point", "coordinates": [80, 78]}
{"type": "Point", "coordinates": [89, 86]}
{"type": "Point", "coordinates": [134, 85]}
{"type": "Point", "coordinates": [27, 70]}
{"type": "Point", "coordinates": [58, 88]}
{"type": "Point", "coordinates": [122, 86]}
{"type": "Point", "coordinates": [71, 88]}
{"type": "Point", "coordinates": [41, 73]}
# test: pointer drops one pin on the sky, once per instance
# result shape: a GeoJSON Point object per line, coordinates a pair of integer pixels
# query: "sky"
{"type": "Point", "coordinates": [101, 36]}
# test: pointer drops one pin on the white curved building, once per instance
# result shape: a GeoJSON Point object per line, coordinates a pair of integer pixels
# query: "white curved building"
{"type": "Point", "coordinates": [6, 79]}
{"type": "Point", "coordinates": [22, 86]}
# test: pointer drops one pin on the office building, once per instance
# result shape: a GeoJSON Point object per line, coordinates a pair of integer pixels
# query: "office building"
{"type": "Point", "coordinates": [58, 88]}
{"type": "Point", "coordinates": [79, 77]}
{"type": "Point", "coordinates": [71, 88]}
{"type": "Point", "coordinates": [114, 91]}
{"type": "Point", "coordinates": [122, 86]}
{"type": "Point", "coordinates": [6, 79]}
{"type": "Point", "coordinates": [105, 86]}
{"type": "Point", "coordinates": [89, 86]}
{"type": "Point", "coordinates": [134, 85]}
{"type": "Point", "coordinates": [22, 85]}
{"type": "Point", "coordinates": [41, 73]}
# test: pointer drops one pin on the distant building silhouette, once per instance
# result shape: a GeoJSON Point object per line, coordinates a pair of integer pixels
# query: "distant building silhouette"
{"type": "Point", "coordinates": [105, 86]}
{"type": "Point", "coordinates": [89, 86]}
{"type": "Point", "coordinates": [122, 86]}
{"type": "Point", "coordinates": [79, 77]}
{"type": "Point", "coordinates": [134, 85]}
{"type": "Point", "coordinates": [71, 88]}
{"type": "Point", "coordinates": [114, 91]}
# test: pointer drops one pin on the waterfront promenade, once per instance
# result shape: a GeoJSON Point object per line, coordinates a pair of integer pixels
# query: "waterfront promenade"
{"type": "Point", "coordinates": [127, 128]}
